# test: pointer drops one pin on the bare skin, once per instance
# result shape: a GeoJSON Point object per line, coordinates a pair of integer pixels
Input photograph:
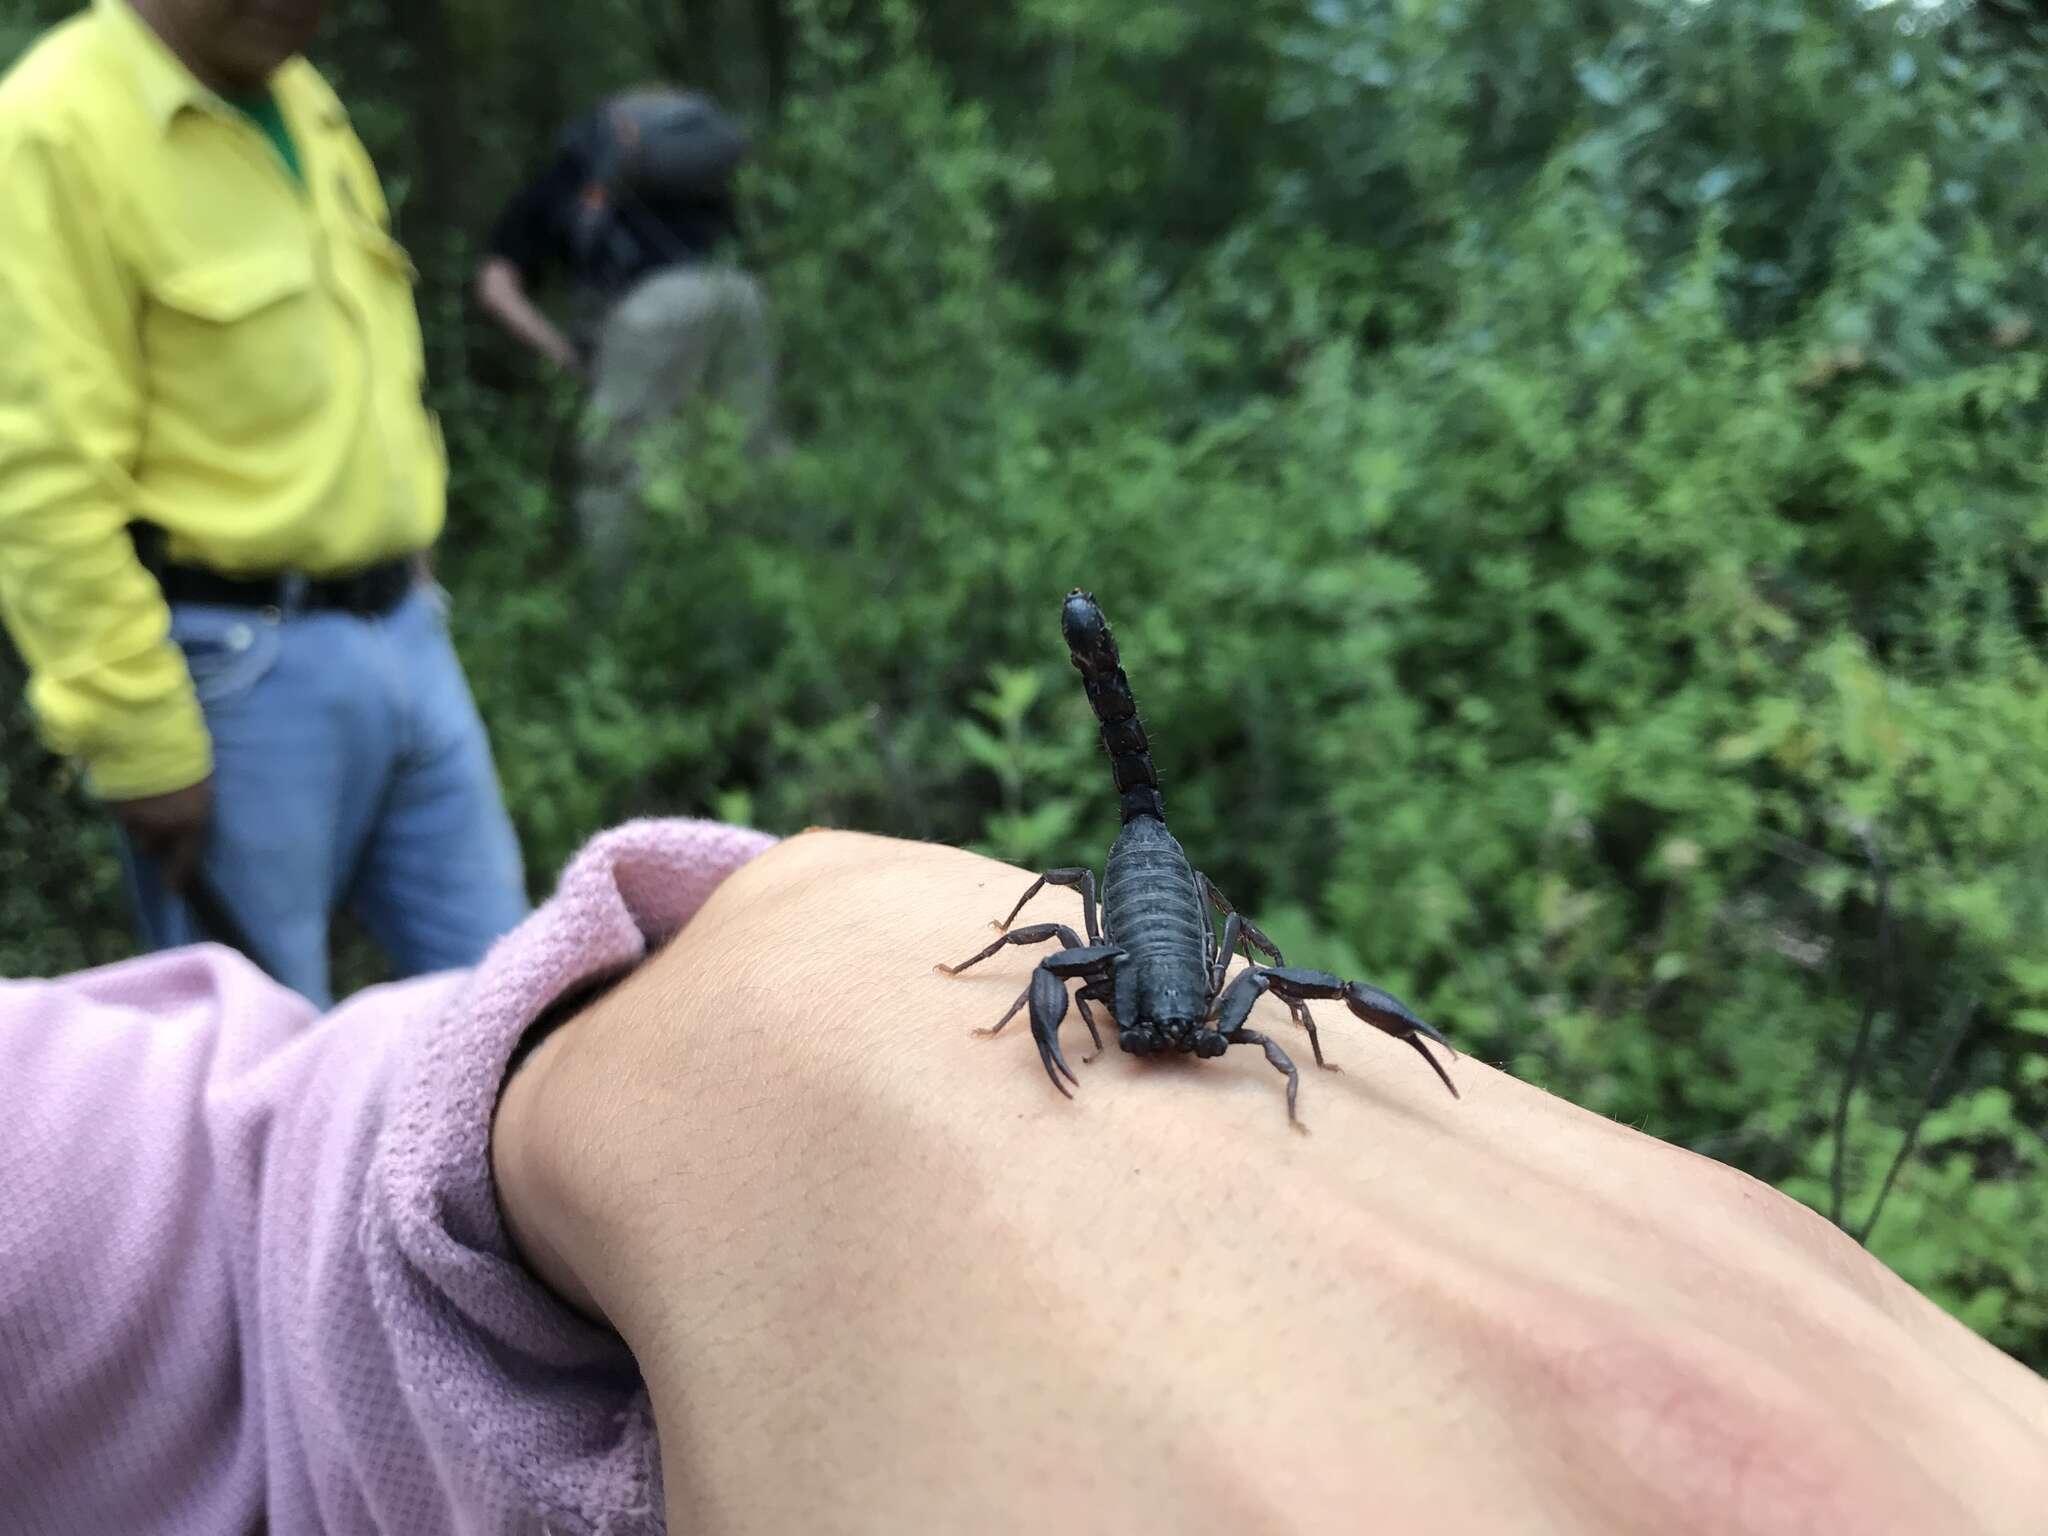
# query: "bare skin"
{"type": "Point", "coordinates": [502, 293]}
{"type": "Point", "coordinates": [171, 829]}
{"type": "Point", "coordinates": [880, 1277]}
{"type": "Point", "coordinates": [233, 46]}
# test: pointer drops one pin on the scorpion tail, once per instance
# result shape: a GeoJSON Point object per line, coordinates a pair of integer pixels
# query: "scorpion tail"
{"type": "Point", "coordinates": [1123, 734]}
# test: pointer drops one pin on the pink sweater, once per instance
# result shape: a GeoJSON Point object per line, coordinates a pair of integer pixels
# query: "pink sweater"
{"type": "Point", "coordinates": [252, 1273]}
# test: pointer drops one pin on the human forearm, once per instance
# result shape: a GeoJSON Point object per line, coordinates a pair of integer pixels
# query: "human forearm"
{"type": "Point", "coordinates": [502, 293]}
{"type": "Point", "coordinates": [879, 1275]}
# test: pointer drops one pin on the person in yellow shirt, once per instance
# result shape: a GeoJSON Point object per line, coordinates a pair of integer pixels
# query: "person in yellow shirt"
{"type": "Point", "coordinates": [218, 480]}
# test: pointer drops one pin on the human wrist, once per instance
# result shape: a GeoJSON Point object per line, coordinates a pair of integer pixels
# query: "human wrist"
{"type": "Point", "coordinates": [672, 1106]}
{"type": "Point", "coordinates": [535, 1198]}
{"type": "Point", "coordinates": [633, 1125]}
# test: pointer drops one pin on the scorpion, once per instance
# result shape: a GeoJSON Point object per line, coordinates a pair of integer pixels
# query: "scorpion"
{"type": "Point", "coordinates": [1153, 957]}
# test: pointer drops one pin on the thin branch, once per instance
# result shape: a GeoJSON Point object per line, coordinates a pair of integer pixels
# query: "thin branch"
{"type": "Point", "coordinates": [1859, 1053]}
{"type": "Point", "coordinates": [1956, 1030]}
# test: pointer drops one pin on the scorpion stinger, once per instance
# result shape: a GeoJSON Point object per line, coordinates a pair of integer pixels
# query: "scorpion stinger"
{"type": "Point", "coordinates": [1152, 955]}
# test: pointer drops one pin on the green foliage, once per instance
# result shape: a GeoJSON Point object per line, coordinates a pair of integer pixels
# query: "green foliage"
{"type": "Point", "coordinates": [1567, 480]}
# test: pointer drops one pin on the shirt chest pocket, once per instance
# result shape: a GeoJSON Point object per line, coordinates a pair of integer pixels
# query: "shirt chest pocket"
{"type": "Point", "coordinates": [238, 348]}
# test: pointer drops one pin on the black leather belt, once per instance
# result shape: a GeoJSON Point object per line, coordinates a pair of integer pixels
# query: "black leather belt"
{"type": "Point", "coordinates": [369, 593]}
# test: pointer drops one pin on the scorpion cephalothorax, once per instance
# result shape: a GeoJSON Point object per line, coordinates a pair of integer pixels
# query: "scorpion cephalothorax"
{"type": "Point", "coordinates": [1152, 956]}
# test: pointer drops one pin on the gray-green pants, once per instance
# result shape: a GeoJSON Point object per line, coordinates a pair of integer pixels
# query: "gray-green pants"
{"type": "Point", "coordinates": [677, 339]}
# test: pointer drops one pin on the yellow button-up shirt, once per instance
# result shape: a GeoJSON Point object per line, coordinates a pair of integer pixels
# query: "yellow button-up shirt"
{"type": "Point", "coordinates": [189, 338]}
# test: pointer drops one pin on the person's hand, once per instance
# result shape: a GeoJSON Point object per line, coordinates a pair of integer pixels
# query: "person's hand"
{"type": "Point", "coordinates": [501, 290]}
{"type": "Point", "coordinates": [564, 355]}
{"type": "Point", "coordinates": [880, 1276]}
{"type": "Point", "coordinates": [171, 829]}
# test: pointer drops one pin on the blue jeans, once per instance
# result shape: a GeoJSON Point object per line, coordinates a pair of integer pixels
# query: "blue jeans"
{"type": "Point", "coordinates": [350, 766]}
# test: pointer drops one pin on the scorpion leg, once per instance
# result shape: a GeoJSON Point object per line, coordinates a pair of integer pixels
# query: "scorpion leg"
{"type": "Point", "coordinates": [1278, 1057]}
{"type": "Point", "coordinates": [1295, 1006]}
{"type": "Point", "coordinates": [1047, 996]}
{"type": "Point", "coordinates": [1093, 993]}
{"type": "Point", "coordinates": [1037, 933]}
{"type": "Point", "coordinates": [1382, 1010]}
{"type": "Point", "coordinates": [1068, 961]}
{"type": "Point", "coordinates": [1081, 998]}
{"type": "Point", "coordinates": [1307, 1021]}
{"type": "Point", "coordinates": [1082, 880]}
{"type": "Point", "coordinates": [1091, 962]}
{"type": "Point", "coordinates": [1235, 1006]}
{"type": "Point", "coordinates": [1219, 958]}
{"type": "Point", "coordinates": [1239, 928]}
{"type": "Point", "coordinates": [1253, 939]}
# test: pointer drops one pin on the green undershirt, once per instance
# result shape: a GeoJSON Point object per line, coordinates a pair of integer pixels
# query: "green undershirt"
{"type": "Point", "coordinates": [262, 110]}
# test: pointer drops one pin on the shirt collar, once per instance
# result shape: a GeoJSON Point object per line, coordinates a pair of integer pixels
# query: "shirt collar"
{"type": "Point", "coordinates": [166, 85]}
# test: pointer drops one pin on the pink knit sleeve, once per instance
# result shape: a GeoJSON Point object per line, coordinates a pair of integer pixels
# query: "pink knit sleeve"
{"type": "Point", "coordinates": [251, 1265]}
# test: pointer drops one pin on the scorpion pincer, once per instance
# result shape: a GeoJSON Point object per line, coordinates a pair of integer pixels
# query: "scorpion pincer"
{"type": "Point", "coordinates": [1152, 956]}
